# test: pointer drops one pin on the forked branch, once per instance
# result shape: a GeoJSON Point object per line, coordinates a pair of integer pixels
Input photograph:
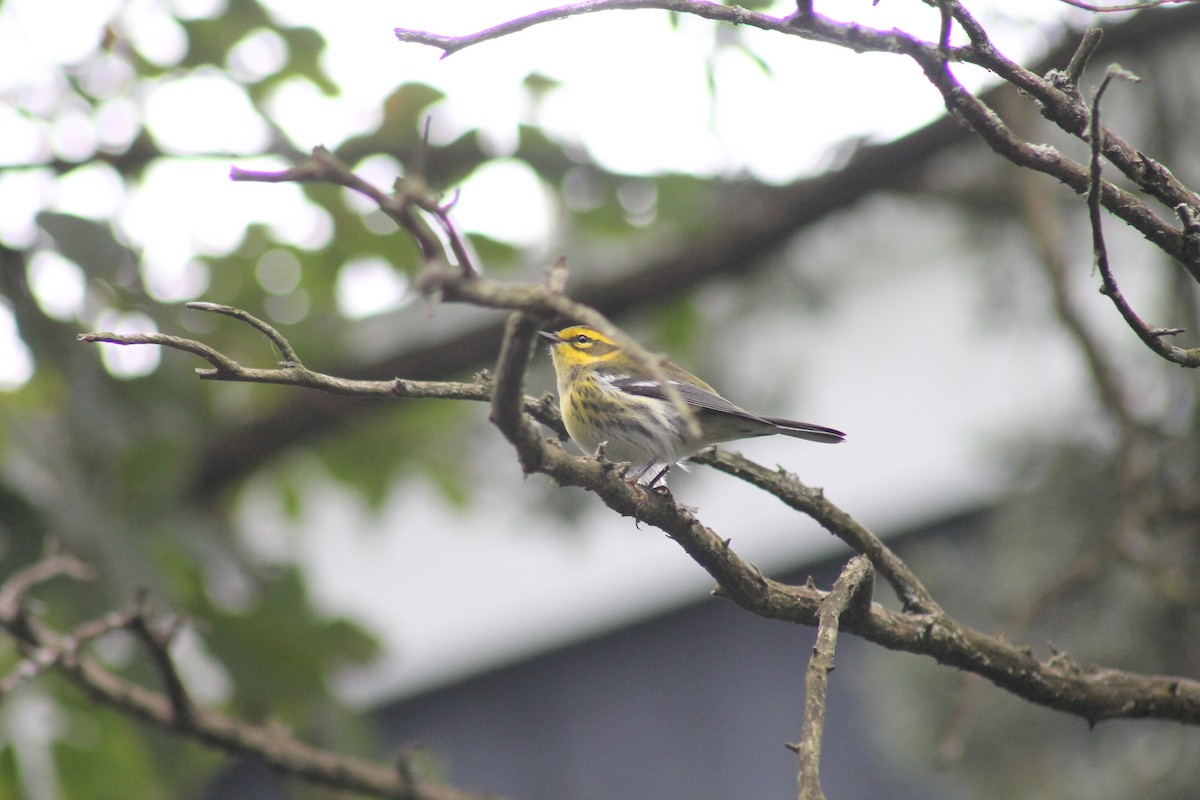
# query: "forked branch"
{"type": "Point", "coordinates": [1154, 338]}
{"type": "Point", "coordinates": [292, 371]}
{"type": "Point", "coordinates": [47, 649]}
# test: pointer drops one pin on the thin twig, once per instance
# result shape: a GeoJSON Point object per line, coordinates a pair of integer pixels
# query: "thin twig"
{"type": "Point", "coordinates": [1045, 226]}
{"type": "Point", "coordinates": [224, 368]}
{"type": "Point", "coordinates": [813, 502]}
{"type": "Point", "coordinates": [1083, 54]}
{"type": "Point", "coordinates": [402, 205]}
{"type": "Point", "coordinates": [14, 614]}
{"type": "Point", "coordinates": [946, 29]}
{"type": "Point", "coordinates": [458, 245]}
{"type": "Point", "coordinates": [851, 593]}
{"type": "Point", "coordinates": [157, 644]}
{"type": "Point", "coordinates": [21, 582]}
{"type": "Point", "coordinates": [1100, 8]}
{"type": "Point", "coordinates": [45, 658]}
{"type": "Point", "coordinates": [543, 409]}
{"type": "Point", "coordinates": [1151, 336]}
{"type": "Point", "coordinates": [452, 44]}
{"type": "Point", "coordinates": [288, 355]}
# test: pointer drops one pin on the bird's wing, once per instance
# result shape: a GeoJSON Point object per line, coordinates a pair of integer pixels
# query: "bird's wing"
{"type": "Point", "coordinates": [705, 400]}
{"type": "Point", "coordinates": [692, 395]}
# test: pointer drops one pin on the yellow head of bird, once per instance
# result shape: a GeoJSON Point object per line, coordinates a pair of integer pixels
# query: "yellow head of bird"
{"type": "Point", "coordinates": [579, 345]}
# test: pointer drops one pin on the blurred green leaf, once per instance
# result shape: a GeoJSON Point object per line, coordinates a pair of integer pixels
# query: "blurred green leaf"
{"type": "Point", "coordinates": [209, 40]}
{"type": "Point", "coordinates": [678, 326]}
{"type": "Point", "coordinates": [404, 112]}
{"type": "Point", "coordinates": [109, 761]}
{"type": "Point", "coordinates": [493, 254]}
{"type": "Point", "coordinates": [304, 648]}
{"type": "Point", "coordinates": [539, 85]}
{"type": "Point", "coordinates": [306, 46]}
{"type": "Point", "coordinates": [413, 438]}
{"type": "Point", "coordinates": [9, 774]}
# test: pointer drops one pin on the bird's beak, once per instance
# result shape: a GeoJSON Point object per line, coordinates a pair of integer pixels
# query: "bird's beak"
{"type": "Point", "coordinates": [553, 337]}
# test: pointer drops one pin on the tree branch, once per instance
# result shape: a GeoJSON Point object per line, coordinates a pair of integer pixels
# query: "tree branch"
{"type": "Point", "coordinates": [1154, 338]}
{"type": "Point", "coordinates": [267, 743]}
{"type": "Point", "coordinates": [1080, 58]}
{"type": "Point", "coordinates": [410, 197]}
{"type": "Point", "coordinates": [1140, 6]}
{"type": "Point", "coordinates": [515, 353]}
{"type": "Point", "coordinates": [157, 642]}
{"type": "Point", "coordinates": [449, 45]}
{"type": "Point", "coordinates": [812, 502]}
{"type": "Point", "coordinates": [851, 594]}
{"type": "Point", "coordinates": [14, 613]}
{"type": "Point", "coordinates": [1045, 226]}
{"type": "Point", "coordinates": [294, 373]}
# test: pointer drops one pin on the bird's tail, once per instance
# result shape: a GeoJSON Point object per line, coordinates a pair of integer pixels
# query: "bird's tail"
{"type": "Point", "coordinates": [805, 430]}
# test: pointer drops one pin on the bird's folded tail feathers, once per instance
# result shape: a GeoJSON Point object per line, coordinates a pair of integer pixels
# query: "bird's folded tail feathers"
{"type": "Point", "coordinates": [805, 430]}
{"type": "Point", "coordinates": [704, 399]}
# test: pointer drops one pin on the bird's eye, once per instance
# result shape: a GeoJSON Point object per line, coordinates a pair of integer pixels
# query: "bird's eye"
{"type": "Point", "coordinates": [581, 339]}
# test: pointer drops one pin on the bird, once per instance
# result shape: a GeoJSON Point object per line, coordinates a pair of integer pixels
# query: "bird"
{"type": "Point", "coordinates": [614, 407]}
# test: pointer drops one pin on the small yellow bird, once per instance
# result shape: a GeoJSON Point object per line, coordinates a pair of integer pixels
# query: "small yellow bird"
{"type": "Point", "coordinates": [610, 399]}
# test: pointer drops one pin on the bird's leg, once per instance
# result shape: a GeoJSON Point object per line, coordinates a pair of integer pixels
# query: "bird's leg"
{"type": "Point", "coordinates": [658, 477]}
{"type": "Point", "coordinates": [642, 495]}
{"type": "Point", "coordinates": [628, 465]}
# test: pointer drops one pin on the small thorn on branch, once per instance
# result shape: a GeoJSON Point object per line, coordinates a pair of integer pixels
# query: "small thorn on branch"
{"type": "Point", "coordinates": [556, 276]}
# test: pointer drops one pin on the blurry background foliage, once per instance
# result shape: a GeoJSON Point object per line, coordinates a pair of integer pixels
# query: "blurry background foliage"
{"type": "Point", "coordinates": [134, 465]}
